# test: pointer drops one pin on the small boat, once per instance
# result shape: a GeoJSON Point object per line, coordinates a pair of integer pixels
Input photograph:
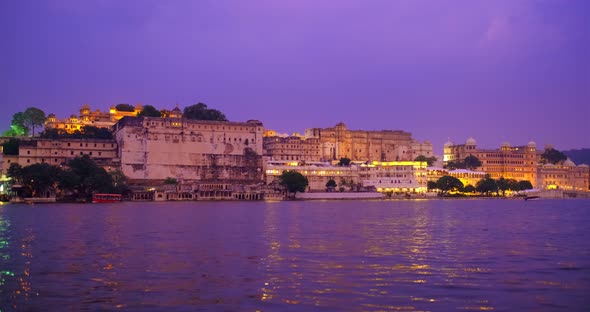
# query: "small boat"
{"type": "Point", "coordinates": [106, 198]}
{"type": "Point", "coordinates": [530, 197]}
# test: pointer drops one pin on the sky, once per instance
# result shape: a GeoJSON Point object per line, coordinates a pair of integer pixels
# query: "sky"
{"type": "Point", "coordinates": [501, 70]}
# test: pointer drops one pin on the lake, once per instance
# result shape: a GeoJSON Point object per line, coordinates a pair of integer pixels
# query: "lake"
{"type": "Point", "coordinates": [397, 255]}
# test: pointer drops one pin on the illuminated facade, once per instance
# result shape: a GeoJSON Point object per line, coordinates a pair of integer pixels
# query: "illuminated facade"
{"type": "Point", "coordinates": [58, 152]}
{"type": "Point", "coordinates": [386, 145]}
{"type": "Point", "coordinates": [292, 148]}
{"type": "Point", "coordinates": [88, 117]}
{"type": "Point", "coordinates": [394, 176]}
{"type": "Point", "coordinates": [318, 174]}
{"type": "Point", "coordinates": [566, 176]}
{"type": "Point", "coordinates": [510, 162]}
{"type": "Point", "coordinates": [153, 148]}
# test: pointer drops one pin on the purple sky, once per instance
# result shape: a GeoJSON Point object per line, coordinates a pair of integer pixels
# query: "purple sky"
{"type": "Point", "coordinates": [495, 70]}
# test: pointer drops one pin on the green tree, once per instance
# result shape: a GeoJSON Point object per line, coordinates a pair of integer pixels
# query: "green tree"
{"type": "Point", "coordinates": [34, 117]}
{"type": "Point", "coordinates": [11, 146]}
{"type": "Point", "coordinates": [120, 182]}
{"type": "Point", "coordinates": [429, 160]}
{"type": "Point", "coordinates": [486, 185]}
{"type": "Point", "coordinates": [449, 183]}
{"type": "Point", "coordinates": [124, 107]}
{"type": "Point", "coordinates": [293, 181]}
{"type": "Point", "coordinates": [471, 162]}
{"type": "Point", "coordinates": [344, 162]}
{"type": "Point", "coordinates": [524, 185]}
{"type": "Point", "coordinates": [18, 125]}
{"type": "Point", "coordinates": [452, 165]}
{"type": "Point", "coordinates": [503, 185]}
{"type": "Point", "coordinates": [40, 178]}
{"type": "Point", "coordinates": [431, 185]}
{"type": "Point", "coordinates": [149, 111]}
{"type": "Point", "coordinates": [92, 132]}
{"type": "Point", "coordinates": [201, 112]}
{"type": "Point", "coordinates": [553, 156]}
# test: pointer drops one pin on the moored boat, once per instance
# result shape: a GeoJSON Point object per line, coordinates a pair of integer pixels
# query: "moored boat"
{"type": "Point", "coordinates": [106, 198]}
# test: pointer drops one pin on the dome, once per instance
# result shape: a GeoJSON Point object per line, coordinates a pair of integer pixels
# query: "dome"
{"type": "Point", "coordinates": [569, 163]}
{"type": "Point", "coordinates": [85, 106]}
{"type": "Point", "coordinates": [505, 144]}
{"type": "Point", "coordinates": [583, 166]}
{"type": "Point", "coordinates": [51, 115]}
{"type": "Point", "coordinates": [73, 116]}
{"type": "Point", "coordinates": [532, 144]}
{"type": "Point", "coordinates": [470, 141]}
{"type": "Point", "coordinates": [449, 144]}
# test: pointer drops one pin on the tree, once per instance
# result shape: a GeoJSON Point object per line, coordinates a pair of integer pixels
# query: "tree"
{"type": "Point", "coordinates": [119, 182]}
{"type": "Point", "coordinates": [449, 183]}
{"type": "Point", "coordinates": [452, 165]}
{"type": "Point", "coordinates": [15, 172]}
{"type": "Point", "coordinates": [201, 112]}
{"type": "Point", "coordinates": [170, 180]}
{"type": "Point", "coordinates": [524, 185]}
{"type": "Point", "coordinates": [331, 184]}
{"type": "Point", "coordinates": [429, 160]}
{"type": "Point", "coordinates": [149, 111]}
{"type": "Point", "coordinates": [431, 185]}
{"type": "Point", "coordinates": [503, 185]}
{"type": "Point", "coordinates": [18, 125]}
{"type": "Point", "coordinates": [471, 162]}
{"type": "Point", "coordinates": [34, 117]}
{"type": "Point", "coordinates": [469, 189]}
{"type": "Point", "coordinates": [39, 178]}
{"type": "Point", "coordinates": [11, 146]}
{"type": "Point", "coordinates": [553, 156]}
{"type": "Point", "coordinates": [342, 184]}
{"type": "Point", "coordinates": [92, 132]}
{"type": "Point", "coordinates": [486, 185]}
{"type": "Point", "coordinates": [123, 107]}
{"type": "Point", "coordinates": [90, 177]}
{"type": "Point", "coordinates": [344, 162]}
{"type": "Point", "coordinates": [293, 181]}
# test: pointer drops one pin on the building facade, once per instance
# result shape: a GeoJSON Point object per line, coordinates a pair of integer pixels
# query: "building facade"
{"type": "Point", "coordinates": [386, 145]}
{"type": "Point", "coordinates": [510, 162]}
{"type": "Point", "coordinates": [195, 150]}
{"type": "Point", "coordinates": [87, 117]}
{"type": "Point", "coordinates": [566, 176]}
{"type": "Point", "coordinates": [292, 148]}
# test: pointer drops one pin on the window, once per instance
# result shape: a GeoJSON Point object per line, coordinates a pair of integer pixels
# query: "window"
{"type": "Point", "coordinates": [28, 152]}
{"type": "Point", "coordinates": [28, 161]}
{"type": "Point", "coordinates": [90, 153]}
{"type": "Point", "coordinates": [68, 144]}
{"type": "Point", "coordinates": [81, 153]}
{"type": "Point", "coordinates": [71, 152]}
{"type": "Point", "coordinates": [99, 153]}
{"type": "Point", "coordinates": [80, 144]}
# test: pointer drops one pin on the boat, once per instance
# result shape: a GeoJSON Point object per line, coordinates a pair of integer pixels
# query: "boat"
{"type": "Point", "coordinates": [530, 197]}
{"type": "Point", "coordinates": [106, 198]}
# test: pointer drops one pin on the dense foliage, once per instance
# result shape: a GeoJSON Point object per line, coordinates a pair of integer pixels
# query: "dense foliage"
{"type": "Point", "coordinates": [293, 181]}
{"type": "Point", "coordinates": [429, 160]}
{"type": "Point", "coordinates": [470, 162]}
{"type": "Point", "coordinates": [22, 122]}
{"type": "Point", "coordinates": [87, 132]}
{"type": "Point", "coordinates": [149, 111]}
{"type": "Point", "coordinates": [10, 147]}
{"type": "Point", "coordinates": [344, 161]}
{"type": "Point", "coordinates": [200, 111]}
{"type": "Point", "coordinates": [448, 183]}
{"type": "Point", "coordinates": [553, 156]}
{"type": "Point", "coordinates": [80, 179]}
{"type": "Point", "coordinates": [125, 107]}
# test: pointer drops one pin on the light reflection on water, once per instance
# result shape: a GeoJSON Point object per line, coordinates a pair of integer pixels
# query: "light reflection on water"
{"type": "Point", "coordinates": [336, 255]}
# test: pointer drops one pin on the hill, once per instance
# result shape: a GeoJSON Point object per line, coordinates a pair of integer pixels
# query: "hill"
{"type": "Point", "coordinates": [579, 156]}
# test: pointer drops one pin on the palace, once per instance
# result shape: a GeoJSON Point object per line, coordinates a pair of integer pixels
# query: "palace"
{"type": "Point", "coordinates": [88, 117]}
{"type": "Point", "coordinates": [153, 148]}
{"type": "Point", "coordinates": [331, 144]}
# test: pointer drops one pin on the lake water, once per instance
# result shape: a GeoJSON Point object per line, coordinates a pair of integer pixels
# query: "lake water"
{"type": "Point", "coordinates": [405, 255]}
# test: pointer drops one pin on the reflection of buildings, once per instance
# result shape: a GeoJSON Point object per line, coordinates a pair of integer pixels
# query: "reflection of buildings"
{"type": "Point", "coordinates": [88, 117]}
{"type": "Point", "coordinates": [326, 144]}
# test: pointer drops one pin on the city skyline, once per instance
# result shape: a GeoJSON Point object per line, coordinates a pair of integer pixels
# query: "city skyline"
{"type": "Point", "coordinates": [495, 71]}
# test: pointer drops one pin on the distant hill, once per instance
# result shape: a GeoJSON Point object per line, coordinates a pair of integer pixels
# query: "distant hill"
{"type": "Point", "coordinates": [581, 156]}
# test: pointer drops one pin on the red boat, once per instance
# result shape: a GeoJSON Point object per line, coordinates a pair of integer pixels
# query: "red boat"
{"type": "Point", "coordinates": [106, 198]}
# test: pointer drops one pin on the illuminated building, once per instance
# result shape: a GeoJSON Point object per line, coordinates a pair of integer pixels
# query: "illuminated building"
{"type": "Point", "coordinates": [317, 173]}
{"type": "Point", "coordinates": [394, 176]}
{"type": "Point", "coordinates": [292, 148]}
{"type": "Point", "coordinates": [58, 152]}
{"type": "Point", "coordinates": [510, 162]}
{"type": "Point", "coordinates": [88, 117]}
{"type": "Point", "coordinates": [566, 176]}
{"type": "Point", "coordinates": [338, 142]}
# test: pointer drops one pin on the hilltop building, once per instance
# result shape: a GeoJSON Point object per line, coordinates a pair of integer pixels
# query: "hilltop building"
{"type": "Point", "coordinates": [88, 117]}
